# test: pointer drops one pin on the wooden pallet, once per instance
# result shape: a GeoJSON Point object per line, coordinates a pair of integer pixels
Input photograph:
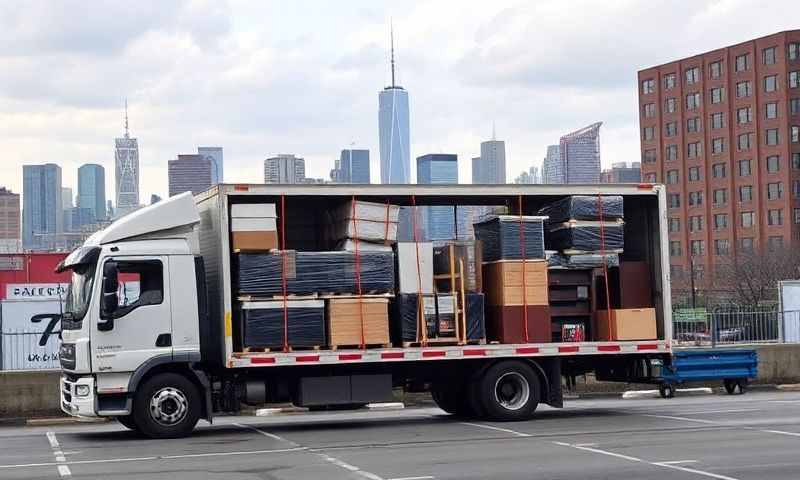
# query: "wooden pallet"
{"type": "Point", "coordinates": [370, 294]}
{"type": "Point", "coordinates": [449, 341]}
{"type": "Point", "coordinates": [270, 298]}
{"type": "Point", "coordinates": [358, 347]}
{"type": "Point", "coordinates": [481, 341]}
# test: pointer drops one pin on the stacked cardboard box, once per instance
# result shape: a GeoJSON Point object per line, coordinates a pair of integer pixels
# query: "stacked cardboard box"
{"type": "Point", "coordinates": [350, 318]}
{"type": "Point", "coordinates": [626, 324]}
{"type": "Point", "coordinates": [254, 227]}
{"type": "Point", "coordinates": [508, 303]}
{"type": "Point", "coordinates": [366, 221]}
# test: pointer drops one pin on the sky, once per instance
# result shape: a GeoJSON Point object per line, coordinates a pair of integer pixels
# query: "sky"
{"type": "Point", "coordinates": [266, 77]}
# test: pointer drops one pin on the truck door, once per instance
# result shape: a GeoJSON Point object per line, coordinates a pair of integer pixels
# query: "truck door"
{"type": "Point", "coordinates": [142, 321]}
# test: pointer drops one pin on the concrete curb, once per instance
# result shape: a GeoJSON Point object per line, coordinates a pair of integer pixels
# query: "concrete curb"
{"type": "Point", "coordinates": [633, 394]}
{"type": "Point", "coordinates": [789, 387]}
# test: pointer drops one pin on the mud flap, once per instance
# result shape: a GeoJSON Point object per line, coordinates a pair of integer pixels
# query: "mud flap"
{"type": "Point", "coordinates": [553, 371]}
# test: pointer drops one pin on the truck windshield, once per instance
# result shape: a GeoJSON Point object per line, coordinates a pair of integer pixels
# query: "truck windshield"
{"type": "Point", "coordinates": [79, 292]}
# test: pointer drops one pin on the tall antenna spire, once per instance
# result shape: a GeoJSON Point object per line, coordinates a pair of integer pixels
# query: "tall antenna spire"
{"type": "Point", "coordinates": [391, 35]}
{"type": "Point", "coordinates": [126, 118]}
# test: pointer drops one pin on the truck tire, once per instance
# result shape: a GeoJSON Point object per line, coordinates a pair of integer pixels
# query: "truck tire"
{"type": "Point", "coordinates": [731, 386]}
{"type": "Point", "coordinates": [127, 422]}
{"type": "Point", "coordinates": [666, 390]}
{"type": "Point", "coordinates": [508, 391]}
{"type": "Point", "coordinates": [167, 405]}
{"type": "Point", "coordinates": [451, 399]}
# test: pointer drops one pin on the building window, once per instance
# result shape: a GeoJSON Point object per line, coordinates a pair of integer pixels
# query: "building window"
{"type": "Point", "coordinates": [794, 106]}
{"type": "Point", "coordinates": [797, 215]}
{"type": "Point", "coordinates": [795, 136]}
{"type": "Point", "coordinates": [720, 196]}
{"type": "Point", "coordinates": [721, 247]}
{"type": "Point", "coordinates": [717, 95]}
{"type": "Point", "coordinates": [693, 125]}
{"type": "Point", "coordinates": [717, 146]}
{"type": "Point", "coordinates": [794, 50]}
{"type": "Point", "coordinates": [671, 105]}
{"type": "Point", "coordinates": [674, 200]}
{"type": "Point", "coordinates": [746, 245]}
{"type": "Point", "coordinates": [718, 170]}
{"type": "Point", "coordinates": [671, 129]}
{"type": "Point", "coordinates": [743, 89]}
{"type": "Point", "coordinates": [742, 62]}
{"type": "Point", "coordinates": [744, 141]}
{"type": "Point", "coordinates": [650, 178]}
{"type": "Point", "coordinates": [768, 56]}
{"type": "Point", "coordinates": [675, 249]}
{"type": "Point", "coordinates": [669, 81]}
{"type": "Point", "coordinates": [695, 199]}
{"type": "Point", "coordinates": [744, 115]}
{"type": "Point", "coordinates": [676, 271]}
{"type": "Point", "coordinates": [772, 136]}
{"type": "Point", "coordinates": [693, 150]}
{"type": "Point", "coordinates": [649, 156]}
{"type": "Point", "coordinates": [649, 110]}
{"type": "Point", "coordinates": [796, 188]}
{"type": "Point", "coordinates": [696, 223]}
{"type": "Point", "coordinates": [774, 191]}
{"type": "Point", "coordinates": [771, 110]}
{"type": "Point", "coordinates": [775, 217]}
{"type": "Point", "coordinates": [747, 219]}
{"type": "Point", "coordinates": [672, 177]}
{"type": "Point", "coordinates": [744, 168]}
{"type": "Point", "coordinates": [775, 243]}
{"type": "Point", "coordinates": [675, 224]}
{"type": "Point", "coordinates": [692, 75]}
{"type": "Point", "coordinates": [796, 161]}
{"type": "Point", "coordinates": [794, 79]}
{"type": "Point", "coordinates": [698, 248]}
{"type": "Point", "coordinates": [694, 174]}
{"type": "Point", "coordinates": [771, 83]}
{"type": "Point", "coordinates": [693, 101]}
{"type": "Point", "coordinates": [648, 86]}
{"type": "Point", "coordinates": [672, 152]}
{"type": "Point", "coordinates": [746, 193]}
{"type": "Point", "coordinates": [715, 69]}
{"type": "Point", "coordinates": [717, 120]}
{"type": "Point", "coordinates": [649, 133]}
{"type": "Point", "coordinates": [773, 163]}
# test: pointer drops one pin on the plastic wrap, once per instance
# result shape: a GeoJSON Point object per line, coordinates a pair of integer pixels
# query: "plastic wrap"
{"type": "Point", "coordinates": [404, 317]}
{"type": "Point", "coordinates": [374, 222]}
{"type": "Point", "coordinates": [583, 207]}
{"type": "Point", "coordinates": [349, 245]}
{"type": "Point", "coordinates": [500, 236]}
{"type": "Point", "coordinates": [476, 322]}
{"type": "Point", "coordinates": [263, 323]}
{"type": "Point", "coordinates": [582, 261]}
{"type": "Point", "coordinates": [314, 272]}
{"type": "Point", "coordinates": [584, 237]}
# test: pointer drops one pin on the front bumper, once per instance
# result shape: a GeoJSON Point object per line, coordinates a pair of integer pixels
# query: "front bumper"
{"type": "Point", "coordinates": [74, 405]}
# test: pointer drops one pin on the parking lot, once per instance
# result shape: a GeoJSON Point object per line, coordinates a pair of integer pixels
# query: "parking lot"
{"type": "Point", "coordinates": [755, 436]}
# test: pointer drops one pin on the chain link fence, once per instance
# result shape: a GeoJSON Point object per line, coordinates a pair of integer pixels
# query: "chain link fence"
{"type": "Point", "coordinates": [699, 327]}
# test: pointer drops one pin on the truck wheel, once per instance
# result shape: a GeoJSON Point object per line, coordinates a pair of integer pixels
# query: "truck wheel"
{"type": "Point", "coordinates": [735, 386]}
{"type": "Point", "coordinates": [508, 391]}
{"type": "Point", "coordinates": [127, 422]}
{"type": "Point", "coordinates": [166, 406]}
{"type": "Point", "coordinates": [666, 390]}
{"type": "Point", "coordinates": [451, 398]}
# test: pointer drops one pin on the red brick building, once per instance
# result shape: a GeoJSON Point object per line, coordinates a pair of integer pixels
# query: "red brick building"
{"type": "Point", "coordinates": [722, 131]}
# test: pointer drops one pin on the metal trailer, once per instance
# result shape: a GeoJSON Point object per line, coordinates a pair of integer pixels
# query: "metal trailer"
{"type": "Point", "coordinates": [455, 374]}
{"type": "Point", "coordinates": [734, 367]}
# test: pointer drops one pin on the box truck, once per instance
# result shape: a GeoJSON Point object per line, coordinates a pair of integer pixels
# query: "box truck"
{"type": "Point", "coordinates": [170, 351]}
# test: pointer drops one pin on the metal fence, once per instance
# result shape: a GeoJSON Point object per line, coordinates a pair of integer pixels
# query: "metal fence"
{"type": "Point", "coordinates": [20, 350]}
{"type": "Point", "coordinates": [703, 328]}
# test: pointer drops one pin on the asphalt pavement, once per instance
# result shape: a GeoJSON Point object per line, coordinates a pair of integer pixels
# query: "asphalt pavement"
{"type": "Point", "coordinates": [754, 436]}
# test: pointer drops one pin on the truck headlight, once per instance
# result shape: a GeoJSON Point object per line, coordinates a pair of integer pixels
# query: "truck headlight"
{"type": "Point", "coordinates": [82, 390]}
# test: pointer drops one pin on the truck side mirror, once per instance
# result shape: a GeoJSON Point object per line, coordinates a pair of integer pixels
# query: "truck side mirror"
{"type": "Point", "coordinates": [110, 300]}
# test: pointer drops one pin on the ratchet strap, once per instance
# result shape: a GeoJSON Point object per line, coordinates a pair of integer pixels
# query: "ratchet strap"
{"type": "Point", "coordinates": [524, 273]}
{"type": "Point", "coordinates": [283, 275]}
{"type": "Point", "coordinates": [358, 270]}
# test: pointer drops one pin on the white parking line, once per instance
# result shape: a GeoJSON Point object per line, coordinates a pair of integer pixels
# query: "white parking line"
{"type": "Point", "coordinates": [266, 434]}
{"type": "Point", "coordinates": [670, 417]}
{"type": "Point", "coordinates": [63, 469]}
{"type": "Point", "coordinates": [490, 427]}
{"type": "Point", "coordinates": [351, 468]}
{"type": "Point", "coordinates": [426, 477]}
{"type": "Point", "coordinates": [671, 465]}
{"type": "Point", "coordinates": [676, 462]}
{"type": "Point", "coordinates": [780, 432]}
{"type": "Point", "coordinates": [741, 410]}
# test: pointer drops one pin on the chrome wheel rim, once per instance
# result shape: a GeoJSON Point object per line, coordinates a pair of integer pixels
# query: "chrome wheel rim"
{"type": "Point", "coordinates": [168, 406]}
{"type": "Point", "coordinates": [512, 391]}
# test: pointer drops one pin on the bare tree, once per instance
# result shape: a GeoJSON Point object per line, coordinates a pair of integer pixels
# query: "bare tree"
{"type": "Point", "coordinates": [751, 278]}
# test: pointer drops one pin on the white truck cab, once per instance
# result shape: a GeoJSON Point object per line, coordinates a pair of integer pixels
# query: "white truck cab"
{"type": "Point", "coordinates": [132, 305]}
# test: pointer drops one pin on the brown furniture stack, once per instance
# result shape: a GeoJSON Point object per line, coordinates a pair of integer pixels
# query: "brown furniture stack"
{"type": "Point", "coordinates": [345, 317]}
{"type": "Point", "coordinates": [506, 301]}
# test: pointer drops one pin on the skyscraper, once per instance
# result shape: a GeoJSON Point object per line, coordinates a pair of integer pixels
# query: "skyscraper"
{"type": "Point", "coordinates": [438, 222]}
{"type": "Point", "coordinates": [190, 173]}
{"type": "Point", "coordinates": [621, 172]}
{"type": "Point", "coordinates": [284, 168]}
{"type": "Point", "coordinates": [352, 167]}
{"type": "Point", "coordinates": [552, 169]}
{"type": "Point", "coordinates": [214, 154]}
{"type": "Point", "coordinates": [42, 212]}
{"type": "Point", "coordinates": [580, 155]}
{"type": "Point", "coordinates": [393, 130]}
{"type": "Point", "coordinates": [126, 171]}
{"type": "Point", "coordinates": [92, 190]}
{"type": "Point", "coordinates": [66, 208]}
{"type": "Point", "coordinates": [9, 221]}
{"type": "Point", "coordinates": [490, 167]}
{"type": "Point", "coordinates": [529, 177]}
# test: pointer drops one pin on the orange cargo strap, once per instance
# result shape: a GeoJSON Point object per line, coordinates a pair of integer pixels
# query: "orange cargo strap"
{"type": "Point", "coordinates": [603, 256]}
{"type": "Point", "coordinates": [386, 225]}
{"type": "Point", "coordinates": [423, 326]}
{"type": "Point", "coordinates": [358, 270]}
{"type": "Point", "coordinates": [524, 273]}
{"type": "Point", "coordinates": [283, 276]}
